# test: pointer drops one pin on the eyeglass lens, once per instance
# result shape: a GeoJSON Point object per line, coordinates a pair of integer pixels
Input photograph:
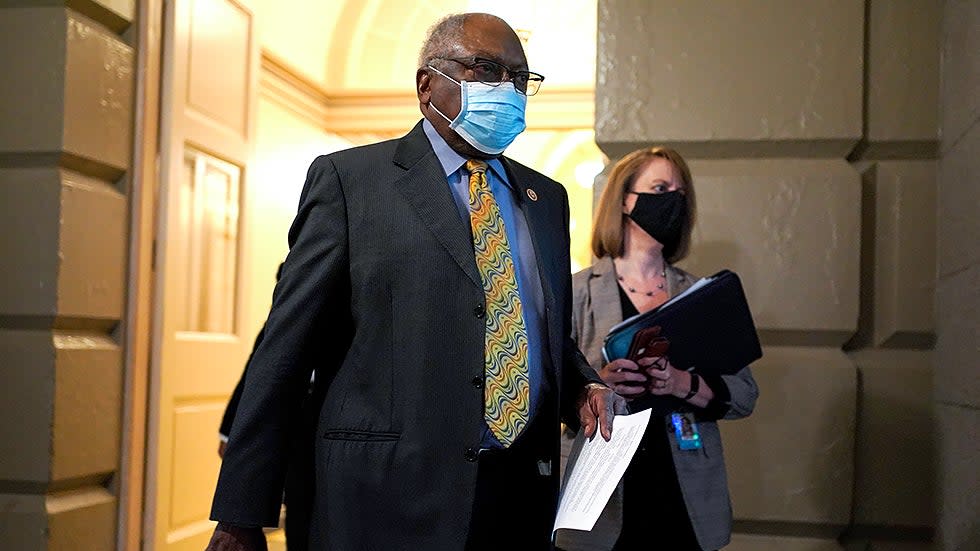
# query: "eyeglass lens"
{"type": "Point", "coordinates": [491, 72]}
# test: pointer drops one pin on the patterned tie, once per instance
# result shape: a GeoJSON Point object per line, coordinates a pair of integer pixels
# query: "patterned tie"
{"type": "Point", "coordinates": [507, 394]}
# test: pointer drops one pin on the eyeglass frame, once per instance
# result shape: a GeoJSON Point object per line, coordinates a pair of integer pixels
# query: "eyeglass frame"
{"type": "Point", "coordinates": [508, 74]}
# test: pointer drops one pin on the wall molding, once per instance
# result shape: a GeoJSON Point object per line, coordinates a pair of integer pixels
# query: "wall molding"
{"type": "Point", "coordinates": [359, 112]}
{"type": "Point", "coordinates": [287, 87]}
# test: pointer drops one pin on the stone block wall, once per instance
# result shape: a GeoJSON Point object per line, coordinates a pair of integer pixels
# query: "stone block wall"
{"type": "Point", "coordinates": [67, 107]}
{"type": "Point", "coordinates": [957, 370]}
{"type": "Point", "coordinates": [812, 131]}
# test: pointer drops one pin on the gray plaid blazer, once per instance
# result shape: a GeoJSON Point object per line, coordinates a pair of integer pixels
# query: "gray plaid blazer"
{"type": "Point", "coordinates": [700, 473]}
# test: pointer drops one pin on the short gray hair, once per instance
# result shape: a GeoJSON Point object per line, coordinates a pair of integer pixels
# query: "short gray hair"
{"type": "Point", "coordinates": [443, 38]}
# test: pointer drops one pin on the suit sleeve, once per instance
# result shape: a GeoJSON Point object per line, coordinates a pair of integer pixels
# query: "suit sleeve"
{"type": "Point", "coordinates": [314, 287]}
{"type": "Point", "coordinates": [735, 395]}
{"type": "Point", "coordinates": [229, 417]}
{"type": "Point", "coordinates": [577, 371]}
{"type": "Point", "coordinates": [743, 392]}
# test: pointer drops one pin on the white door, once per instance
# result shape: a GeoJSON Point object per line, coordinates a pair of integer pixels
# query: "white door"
{"type": "Point", "coordinates": [201, 337]}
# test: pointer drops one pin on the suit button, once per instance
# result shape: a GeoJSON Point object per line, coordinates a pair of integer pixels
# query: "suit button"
{"type": "Point", "coordinates": [470, 455]}
{"type": "Point", "coordinates": [477, 381]}
{"type": "Point", "coordinates": [479, 312]}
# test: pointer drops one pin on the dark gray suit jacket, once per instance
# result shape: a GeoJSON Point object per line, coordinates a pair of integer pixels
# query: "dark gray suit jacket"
{"type": "Point", "coordinates": [380, 294]}
{"type": "Point", "coordinates": [701, 473]}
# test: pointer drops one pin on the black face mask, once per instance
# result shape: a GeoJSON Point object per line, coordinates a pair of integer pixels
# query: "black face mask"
{"type": "Point", "coordinates": [662, 216]}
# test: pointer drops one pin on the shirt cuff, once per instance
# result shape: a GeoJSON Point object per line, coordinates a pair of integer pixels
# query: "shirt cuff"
{"type": "Point", "coordinates": [223, 437]}
{"type": "Point", "coordinates": [718, 407]}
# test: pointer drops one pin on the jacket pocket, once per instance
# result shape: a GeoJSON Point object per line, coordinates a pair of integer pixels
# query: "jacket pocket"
{"type": "Point", "coordinates": [361, 435]}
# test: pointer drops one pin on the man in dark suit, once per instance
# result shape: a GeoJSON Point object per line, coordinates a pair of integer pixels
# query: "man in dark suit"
{"type": "Point", "coordinates": [428, 283]}
{"type": "Point", "coordinates": [297, 495]}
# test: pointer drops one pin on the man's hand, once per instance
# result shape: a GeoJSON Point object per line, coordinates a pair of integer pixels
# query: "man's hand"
{"type": "Point", "coordinates": [597, 407]}
{"type": "Point", "coordinates": [237, 538]}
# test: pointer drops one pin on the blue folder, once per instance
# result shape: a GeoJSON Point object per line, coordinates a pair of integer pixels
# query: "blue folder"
{"type": "Point", "coordinates": [709, 327]}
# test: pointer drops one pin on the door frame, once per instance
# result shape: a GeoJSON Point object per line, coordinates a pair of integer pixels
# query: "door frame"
{"type": "Point", "coordinates": [138, 333]}
{"type": "Point", "coordinates": [150, 238]}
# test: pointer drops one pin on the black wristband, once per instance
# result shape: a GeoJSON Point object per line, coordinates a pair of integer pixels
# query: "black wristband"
{"type": "Point", "coordinates": [695, 385]}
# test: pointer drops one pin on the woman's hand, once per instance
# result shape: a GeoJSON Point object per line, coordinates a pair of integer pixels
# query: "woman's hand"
{"type": "Point", "coordinates": [664, 379]}
{"type": "Point", "coordinates": [624, 377]}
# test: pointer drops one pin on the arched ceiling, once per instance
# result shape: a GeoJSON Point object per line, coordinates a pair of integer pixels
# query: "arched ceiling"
{"type": "Point", "coordinates": [345, 45]}
{"type": "Point", "coordinates": [357, 59]}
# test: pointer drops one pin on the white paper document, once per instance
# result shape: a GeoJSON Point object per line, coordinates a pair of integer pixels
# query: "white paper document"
{"type": "Point", "coordinates": [594, 470]}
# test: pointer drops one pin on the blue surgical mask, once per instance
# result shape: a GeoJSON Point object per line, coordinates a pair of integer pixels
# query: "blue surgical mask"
{"type": "Point", "coordinates": [490, 117]}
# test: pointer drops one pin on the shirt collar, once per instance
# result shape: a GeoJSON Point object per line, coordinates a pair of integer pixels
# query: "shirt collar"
{"type": "Point", "coordinates": [451, 161]}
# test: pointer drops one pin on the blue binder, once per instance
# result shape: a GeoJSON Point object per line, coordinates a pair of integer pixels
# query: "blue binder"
{"type": "Point", "coordinates": [709, 327]}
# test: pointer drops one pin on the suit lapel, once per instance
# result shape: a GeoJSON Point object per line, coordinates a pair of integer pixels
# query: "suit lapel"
{"type": "Point", "coordinates": [604, 294]}
{"type": "Point", "coordinates": [541, 228]}
{"type": "Point", "coordinates": [676, 283]}
{"type": "Point", "coordinates": [425, 188]}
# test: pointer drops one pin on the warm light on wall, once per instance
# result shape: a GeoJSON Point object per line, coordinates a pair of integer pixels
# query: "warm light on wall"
{"type": "Point", "coordinates": [586, 172]}
{"type": "Point", "coordinates": [372, 56]}
{"type": "Point", "coordinates": [572, 159]}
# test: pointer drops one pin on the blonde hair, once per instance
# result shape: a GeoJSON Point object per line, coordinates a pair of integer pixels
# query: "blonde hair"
{"type": "Point", "coordinates": [607, 229]}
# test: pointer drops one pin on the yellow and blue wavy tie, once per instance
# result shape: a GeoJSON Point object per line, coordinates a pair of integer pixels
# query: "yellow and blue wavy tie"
{"type": "Point", "coordinates": [507, 392]}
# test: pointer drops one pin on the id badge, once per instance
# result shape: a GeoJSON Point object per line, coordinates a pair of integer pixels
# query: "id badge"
{"type": "Point", "coordinates": [686, 429]}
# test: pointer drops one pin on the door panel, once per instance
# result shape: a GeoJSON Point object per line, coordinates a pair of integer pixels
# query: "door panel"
{"type": "Point", "coordinates": [208, 95]}
{"type": "Point", "coordinates": [190, 493]}
{"type": "Point", "coordinates": [219, 48]}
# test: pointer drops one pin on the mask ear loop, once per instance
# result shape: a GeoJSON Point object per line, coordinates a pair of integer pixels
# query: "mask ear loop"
{"type": "Point", "coordinates": [453, 123]}
{"type": "Point", "coordinates": [458, 83]}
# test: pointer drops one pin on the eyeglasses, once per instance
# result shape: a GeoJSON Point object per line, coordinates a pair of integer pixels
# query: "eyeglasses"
{"type": "Point", "coordinates": [491, 73]}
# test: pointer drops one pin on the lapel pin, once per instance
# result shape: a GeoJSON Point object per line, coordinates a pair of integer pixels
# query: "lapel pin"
{"type": "Point", "coordinates": [532, 195]}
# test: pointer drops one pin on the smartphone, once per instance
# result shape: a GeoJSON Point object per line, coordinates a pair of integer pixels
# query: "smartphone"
{"type": "Point", "coordinates": [648, 343]}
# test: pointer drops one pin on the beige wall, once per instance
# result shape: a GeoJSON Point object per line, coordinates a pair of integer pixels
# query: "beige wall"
{"type": "Point", "coordinates": [287, 140]}
{"type": "Point", "coordinates": [957, 386]}
{"type": "Point", "coordinates": [67, 107]}
{"type": "Point", "coordinates": [812, 129]}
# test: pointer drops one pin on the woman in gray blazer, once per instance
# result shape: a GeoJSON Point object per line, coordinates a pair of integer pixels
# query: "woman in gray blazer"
{"type": "Point", "coordinates": [669, 498]}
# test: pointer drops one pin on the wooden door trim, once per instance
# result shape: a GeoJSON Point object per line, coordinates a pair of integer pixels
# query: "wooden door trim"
{"type": "Point", "coordinates": [144, 182]}
{"type": "Point", "coordinates": [178, 130]}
